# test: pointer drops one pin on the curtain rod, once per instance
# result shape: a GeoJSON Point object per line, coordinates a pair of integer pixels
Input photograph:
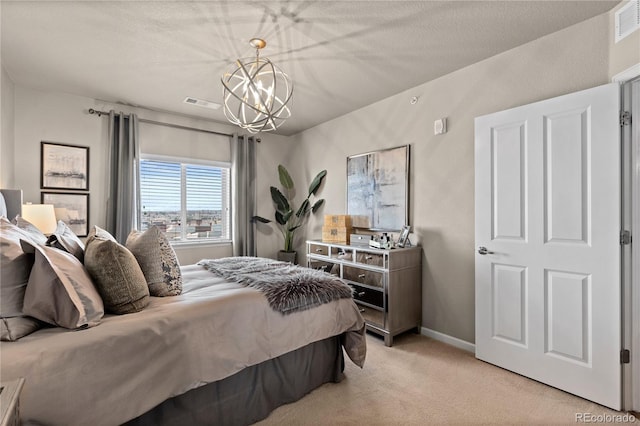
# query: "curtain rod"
{"type": "Point", "coordinates": [160, 123]}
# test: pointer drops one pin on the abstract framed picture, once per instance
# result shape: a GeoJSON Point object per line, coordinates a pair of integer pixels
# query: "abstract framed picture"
{"type": "Point", "coordinates": [64, 166]}
{"type": "Point", "coordinates": [71, 208]}
{"type": "Point", "coordinates": [378, 189]}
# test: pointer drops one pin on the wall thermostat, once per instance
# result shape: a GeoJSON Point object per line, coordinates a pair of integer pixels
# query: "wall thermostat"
{"type": "Point", "coordinates": [440, 126]}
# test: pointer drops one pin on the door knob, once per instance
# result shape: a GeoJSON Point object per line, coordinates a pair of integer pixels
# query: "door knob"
{"type": "Point", "coordinates": [483, 251]}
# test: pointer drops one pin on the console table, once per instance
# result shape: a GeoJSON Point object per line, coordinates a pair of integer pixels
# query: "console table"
{"type": "Point", "coordinates": [387, 283]}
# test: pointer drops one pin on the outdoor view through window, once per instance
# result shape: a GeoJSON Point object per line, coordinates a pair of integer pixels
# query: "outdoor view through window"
{"type": "Point", "coordinates": [185, 201]}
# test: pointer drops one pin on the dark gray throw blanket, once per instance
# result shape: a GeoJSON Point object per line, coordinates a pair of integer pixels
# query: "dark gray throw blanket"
{"type": "Point", "coordinates": [288, 288]}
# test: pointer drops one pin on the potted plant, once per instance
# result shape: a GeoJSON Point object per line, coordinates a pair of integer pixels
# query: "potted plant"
{"type": "Point", "coordinates": [287, 217]}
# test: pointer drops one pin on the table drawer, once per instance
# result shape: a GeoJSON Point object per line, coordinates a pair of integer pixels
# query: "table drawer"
{"type": "Point", "coordinates": [363, 276]}
{"type": "Point", "coordinates": [372, 316]}
{"type": "Point", "coordinates": [319, 249]}
{"type": "Point", "coordinates": [332, 268]}
{"type": "Point", "coordinates": [375, 259]}
{"type": "Point", "coordinates": [368, 295]}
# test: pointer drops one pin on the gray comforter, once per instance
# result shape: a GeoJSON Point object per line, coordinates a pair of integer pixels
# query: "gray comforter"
{"type": "Point", "coordinates": [130, 363]}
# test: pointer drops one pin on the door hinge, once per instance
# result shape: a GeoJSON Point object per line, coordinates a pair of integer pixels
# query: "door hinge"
{"type": "Point", "coordinates": [625, 237]}
{"type": "Point", "coordinates": [625, 118]}
{"type": "Point", "coordinates": [625, 356]}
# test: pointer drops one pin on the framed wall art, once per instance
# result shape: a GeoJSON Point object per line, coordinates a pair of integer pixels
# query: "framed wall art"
{"type": "Point", "coordinates": [64, 166]}
{"type": "Point", "coordinates": [378, 189]}
{"type": "Point", "coordinates": [71, 208]}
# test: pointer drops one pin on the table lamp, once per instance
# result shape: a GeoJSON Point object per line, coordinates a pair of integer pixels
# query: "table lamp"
{"type": "Point", "coordinates": [42, 216]}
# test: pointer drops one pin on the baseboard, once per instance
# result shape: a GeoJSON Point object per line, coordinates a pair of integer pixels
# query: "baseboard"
{"type": "Point", "coordinates": [449, 340]}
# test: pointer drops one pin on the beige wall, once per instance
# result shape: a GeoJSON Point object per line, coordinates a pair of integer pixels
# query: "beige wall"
{"type": "Point", "coordinates": [442, 167]}
{"type": "Point", "coordinates": [57, 117]}
{"type": "Point", "coordinates": [7, 165]}
{"type": "Point", "coordinates": [442, 175]}
{"type": "Point", "coordinates": [626, 53]}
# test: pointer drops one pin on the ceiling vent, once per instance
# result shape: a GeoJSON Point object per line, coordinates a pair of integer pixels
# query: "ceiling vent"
{"type": "Point", "coordinates": [627, 19]}
{"type": "Point", "coordinates": [201, 103]}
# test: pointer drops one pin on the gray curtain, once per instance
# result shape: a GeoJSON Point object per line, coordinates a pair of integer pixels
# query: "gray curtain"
{"type": "Point", "coordinates": [124, 186]}
{"type": "Point", "coordinates": [243, 190]}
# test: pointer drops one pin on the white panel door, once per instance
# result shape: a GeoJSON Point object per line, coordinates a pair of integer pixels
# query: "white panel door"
{"type": "Point", "coordinates": [547, 201]}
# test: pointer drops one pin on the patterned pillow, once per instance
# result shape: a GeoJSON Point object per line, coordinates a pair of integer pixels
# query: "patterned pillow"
{"type": "Point", "coordinates": [60, 291]}
{"type": "Point", "coordinates": [116, 273]}
{"type": "Point", "coordinates": [14, 275]}
{"type": "Point", "coordinates": [65, 239]}
{"type": "Point", "coordinates": [157, 260]}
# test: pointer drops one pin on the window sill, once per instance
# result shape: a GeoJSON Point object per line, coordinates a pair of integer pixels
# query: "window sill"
{"type": "Point", "coordinates": [208, 243]}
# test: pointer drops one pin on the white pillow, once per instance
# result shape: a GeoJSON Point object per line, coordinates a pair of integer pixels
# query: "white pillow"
{"type": "Point", "coordinates": [65, 239]}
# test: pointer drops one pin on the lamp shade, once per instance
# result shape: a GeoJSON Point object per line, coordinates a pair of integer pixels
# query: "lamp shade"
{"type": "Point", "coordinates": [42, 216]}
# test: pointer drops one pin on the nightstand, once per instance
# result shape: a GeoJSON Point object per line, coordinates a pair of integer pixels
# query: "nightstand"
{"type": "Point", "coordinates": [10, 402]}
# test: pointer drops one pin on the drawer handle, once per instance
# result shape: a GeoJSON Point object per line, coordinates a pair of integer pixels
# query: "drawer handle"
{"type": "Point", "coordinates": [318, 250]}
{"type": "Point", "coordinates": [361, 294]}
{"type": "Point", "coordinates": [361, 310]}
{"type": "Point", "coordinates": [368, 257]}
{"type": "Point", "coordinates": [361, 275]}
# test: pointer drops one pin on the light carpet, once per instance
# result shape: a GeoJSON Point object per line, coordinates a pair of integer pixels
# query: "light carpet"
{"type": "Point", "coordinates": [420, 381]}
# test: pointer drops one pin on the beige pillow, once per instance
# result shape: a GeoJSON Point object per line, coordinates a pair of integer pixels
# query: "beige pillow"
{"type": "Point", "coordinates": [157, 260]}
{"type": "Point", "coordinates": [60, 291]}
{"type": "Point", "coordinates": [15, 267]}
{"type": "Point", "coordinates": [65, 239]}
{"type": "Point", "coordinates": [116, 273]}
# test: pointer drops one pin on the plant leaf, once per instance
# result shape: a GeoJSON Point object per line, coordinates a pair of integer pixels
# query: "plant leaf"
{"type": "Point", "coordinates": [260, 219]}
{"type": "Point", "coordinates": [294, 228]}
{"type": "Point", "coordinates": [280, 218]}
{"type": "Point", "coordinates": [283, 217]}
{"type": "Point", "coordinates": [285, 177]}
{"type": "Point", "coordinates": [315, 184]}
{"type": "Point", "coordinates": [281, 202]}
{"type": "Point", "coordinates": [304, 208]}
{"type": "Point", "coordinates": [317, 205]}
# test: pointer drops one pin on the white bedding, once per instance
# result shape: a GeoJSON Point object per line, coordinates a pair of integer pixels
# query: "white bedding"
{"type": "Point", "coordinates": [125, 366]}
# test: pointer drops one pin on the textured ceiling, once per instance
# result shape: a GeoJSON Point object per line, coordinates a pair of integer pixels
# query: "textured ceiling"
{"type": "Point", "coordinates": [341, 55]}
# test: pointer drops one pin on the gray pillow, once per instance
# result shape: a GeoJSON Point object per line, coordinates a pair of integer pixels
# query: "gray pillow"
{"type": "Point", "coordinates": [11, 329]}
{"type": "Point", "coordinates": [34, 232]}
{"type": "Point", "coordinates": [157, 260]}
{"type": "Point", "coordinates": [15, 267]}
{"type": "Point", "coordinates": [116, 273]}
{"type": "Point", "coordinates": [60, 291]}
{"type": "Point", "coordinates": [65, 239]}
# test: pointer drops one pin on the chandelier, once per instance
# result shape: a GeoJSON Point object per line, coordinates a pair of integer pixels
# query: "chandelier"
{"type": "Point", "coordinates": [256, 93]}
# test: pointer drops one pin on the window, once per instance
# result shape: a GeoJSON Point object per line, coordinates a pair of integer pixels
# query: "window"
{"type": "Point", "coordinates": [186, 199]}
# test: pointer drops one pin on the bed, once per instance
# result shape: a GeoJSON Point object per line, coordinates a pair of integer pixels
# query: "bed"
{"type": "Point", "coordinates": [216, 354]}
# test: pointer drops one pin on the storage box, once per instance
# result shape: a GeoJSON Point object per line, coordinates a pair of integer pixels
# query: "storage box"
{"type": "Point", "coordinates": [336, 234]}
{"type": "Point", "coordinates": [337, 221]}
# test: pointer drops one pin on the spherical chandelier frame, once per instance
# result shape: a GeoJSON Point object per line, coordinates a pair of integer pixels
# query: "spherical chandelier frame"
{"type": "Point", "coordinates": [257, 93]}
